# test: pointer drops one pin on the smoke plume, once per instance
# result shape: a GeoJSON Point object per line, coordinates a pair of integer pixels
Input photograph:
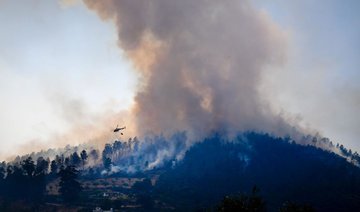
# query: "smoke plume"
{"type": "Point", "coordinates": [200, 63]}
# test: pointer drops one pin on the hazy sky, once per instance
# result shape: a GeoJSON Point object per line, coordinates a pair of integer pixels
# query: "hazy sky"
{"type": "Point", "coordinates": [55, 56]}
{"type": "Point", "coordinates": [320, 80]}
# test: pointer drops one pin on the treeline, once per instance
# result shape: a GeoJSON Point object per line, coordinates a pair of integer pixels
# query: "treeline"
{"type": "Point", "coordinates": [115, 152]}
{"type": "Point", "coordinates": [208, 171]}
{"type": "Point", "coordinates": [25, 182]}
{"type": "Point", "coordinates": [352, 156]}
{"type": "Point", "coordinates": [26, 179]}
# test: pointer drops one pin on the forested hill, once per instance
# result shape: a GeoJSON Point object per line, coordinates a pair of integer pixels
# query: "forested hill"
{"type": "Point", "coordinates": [160, 174]}
{"type": "Point", "coordinates": [283, 171]}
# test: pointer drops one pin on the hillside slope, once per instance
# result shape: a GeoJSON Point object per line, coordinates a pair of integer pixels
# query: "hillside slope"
{"type": "Point", "coordinates": [283, 171]}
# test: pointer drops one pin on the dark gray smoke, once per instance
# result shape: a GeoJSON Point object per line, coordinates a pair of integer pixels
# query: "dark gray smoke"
{"type": "Point", "coordinates": [201, 63]}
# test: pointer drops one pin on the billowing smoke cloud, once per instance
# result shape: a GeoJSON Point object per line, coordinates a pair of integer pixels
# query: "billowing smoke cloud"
{"type": "Point", "coordinates": [201, 64]}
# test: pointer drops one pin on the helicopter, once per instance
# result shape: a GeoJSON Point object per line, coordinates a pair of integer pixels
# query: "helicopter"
{"type": "Point", "coordinates": [117, 129]}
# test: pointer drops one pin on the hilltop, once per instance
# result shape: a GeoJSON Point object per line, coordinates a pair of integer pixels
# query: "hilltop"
{"type": "Point", "coordinates": [166, 174]}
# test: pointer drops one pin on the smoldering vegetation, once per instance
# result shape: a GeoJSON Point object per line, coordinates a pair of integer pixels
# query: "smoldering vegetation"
{"type": "Point", "coordinates": [156, 174]}
{"type": "Point", "coordinates": [204, 130]}
{"type": "Point", "coordinates": [133, 156]}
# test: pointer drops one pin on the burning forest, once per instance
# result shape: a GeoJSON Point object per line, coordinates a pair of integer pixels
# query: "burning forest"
{"type": "Point", "coordinates": [221, 112]}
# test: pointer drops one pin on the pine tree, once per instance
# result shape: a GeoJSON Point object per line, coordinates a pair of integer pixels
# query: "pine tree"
{"type": "Point", "coordinates": [75, 159]}
{"type": "Point", "coordinates": [28, 166]}
{"type": "Point", "coordinates": [42, 166]}
{"type": "Point", "coordinates": [107, 163]}
{"type": "Point", "coordinates": [84, 157]}
{"type": "Point", "coordinates": [70, 188]}
{"type": "Point", "coordinates": [54, 167]}
{"type": "Point", "coordinates": [94, 154]}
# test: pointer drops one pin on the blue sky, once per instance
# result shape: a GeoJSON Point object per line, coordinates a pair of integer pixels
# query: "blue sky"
{"type": "Point", "coordinates": [49, 51]}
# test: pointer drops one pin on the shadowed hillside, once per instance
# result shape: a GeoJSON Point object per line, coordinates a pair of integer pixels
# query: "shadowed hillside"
{"type": "Point", "coordinates": [164, 175]}
{"type": "Point", "coordinates": [284, 171]}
